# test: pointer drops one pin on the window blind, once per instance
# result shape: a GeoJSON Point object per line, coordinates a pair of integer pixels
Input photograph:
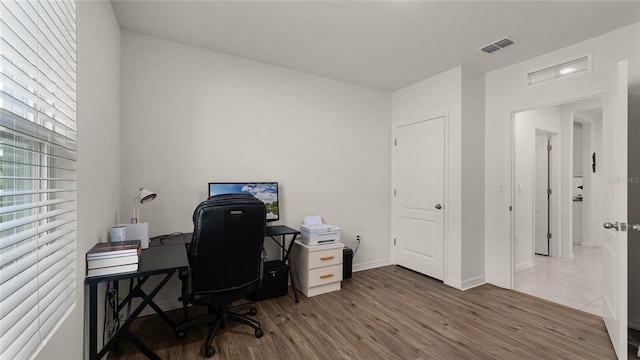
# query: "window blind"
{"type": "Point", "coordinates": [38, 150]}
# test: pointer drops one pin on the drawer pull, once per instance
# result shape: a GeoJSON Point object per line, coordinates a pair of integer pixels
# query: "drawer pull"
{"type": "Point", "coordinates": [324, 276]}
{"type": "Point", "coordinates": [327, 257]}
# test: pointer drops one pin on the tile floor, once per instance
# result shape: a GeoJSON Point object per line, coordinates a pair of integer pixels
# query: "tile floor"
{"type": "Point", "coordinates": [576, 282]}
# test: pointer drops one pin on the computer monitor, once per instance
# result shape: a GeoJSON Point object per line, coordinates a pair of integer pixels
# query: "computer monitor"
{"type": "Point", "coordinates": [267, 192]}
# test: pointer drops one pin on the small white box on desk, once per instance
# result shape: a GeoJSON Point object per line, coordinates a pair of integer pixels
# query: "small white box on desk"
{"type": "Point", "coordinates": [314, 232]}
{"type": "Point", "coordinates": [137, 232]}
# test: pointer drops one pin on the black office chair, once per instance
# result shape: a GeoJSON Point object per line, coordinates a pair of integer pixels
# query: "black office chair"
{"type": "Point", "coordinates": [225, 261]}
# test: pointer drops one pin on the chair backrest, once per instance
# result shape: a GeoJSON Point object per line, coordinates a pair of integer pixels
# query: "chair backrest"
{"type": "Point", "coordinates": [226, 247]}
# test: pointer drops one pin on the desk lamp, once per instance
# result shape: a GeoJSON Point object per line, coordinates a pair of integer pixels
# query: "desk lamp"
{"type": "Point", "coordinates": [143, 197]}
{"type": "Point", "coordinates": [139, 230]}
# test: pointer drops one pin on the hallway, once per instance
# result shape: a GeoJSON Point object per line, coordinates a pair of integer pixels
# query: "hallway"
{"type": "Point", "coordinates": [576, 282]}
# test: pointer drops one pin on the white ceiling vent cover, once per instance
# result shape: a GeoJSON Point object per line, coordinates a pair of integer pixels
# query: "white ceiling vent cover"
{"type": "Point", "coordinates": [558, 71]}
{"type": "Point", "coordinates": [497, 45]}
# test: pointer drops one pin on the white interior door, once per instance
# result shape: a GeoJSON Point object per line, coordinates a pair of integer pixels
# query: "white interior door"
{"type": "Point", "coordinates": [614, 250]}
{"type": "Point", "coordinates": [419, 195]}
{"type": "Point", "coordinates": [541, 203]}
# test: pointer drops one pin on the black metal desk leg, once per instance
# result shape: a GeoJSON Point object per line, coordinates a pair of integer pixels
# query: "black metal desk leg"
{"type": "Point", "coordinates": [184, 277]}
{"type": "Point", "coordinates": [93, 321]}
{"type": "Point", "coordinates": [291, 268]}
{"type": "Point", "coordinates": [142, 346]}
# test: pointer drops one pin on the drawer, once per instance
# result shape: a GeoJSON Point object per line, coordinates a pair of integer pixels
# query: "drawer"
{"type": "Point", "coordinates": [325, 275]}
{"type": "Point", "coordinates": [321, 289]}
{"type": "Point", "coordinates": [325, 258]}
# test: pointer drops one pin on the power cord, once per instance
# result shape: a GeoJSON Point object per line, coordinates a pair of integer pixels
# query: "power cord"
{"type": "Point", "coordinates": [162, 237]}
{"type": "Point", "coordinates": [111, 299]}
{"type": "Point", "coordinates": [357, 245]}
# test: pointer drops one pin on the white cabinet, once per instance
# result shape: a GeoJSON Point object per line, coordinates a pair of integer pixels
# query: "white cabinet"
{"type": "Point", "coordinates": [318, 267]}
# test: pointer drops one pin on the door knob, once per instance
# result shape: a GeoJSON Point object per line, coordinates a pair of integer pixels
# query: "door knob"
{"type": "Point", "coordinates": [438, 206]}
{"type": "Point", "coordinates": [609, 225]}
{"type": "Point", "coordinates": [634, 227]}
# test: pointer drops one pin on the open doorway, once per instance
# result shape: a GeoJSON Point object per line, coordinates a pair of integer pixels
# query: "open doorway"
{"type": "Point", "coordinates": [557, 204]}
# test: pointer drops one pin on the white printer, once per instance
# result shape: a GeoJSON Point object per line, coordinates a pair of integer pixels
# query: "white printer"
{"type": "Point", "coordinates": [314, 232]}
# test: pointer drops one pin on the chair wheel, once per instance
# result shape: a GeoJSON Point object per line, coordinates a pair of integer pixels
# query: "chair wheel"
{"type": "Point", "coordinates": [209, 351]}
{"type": "Point", "coordinates": [258, 333]}
{"type": "Point", "coordinates": [180, 335]}
{"type": "Point", "coordinates": [253, 311]}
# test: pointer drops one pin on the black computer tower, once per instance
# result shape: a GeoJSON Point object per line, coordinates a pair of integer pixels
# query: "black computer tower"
{"type": "Point", "coordinates": [275, 281]}
{"type": "Point", "coordinates": [347, 263]}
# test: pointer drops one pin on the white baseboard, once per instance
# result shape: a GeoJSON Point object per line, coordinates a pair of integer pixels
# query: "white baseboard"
{"type": "Point", "coordinates": [525, 266]}
{"type": "Point", "coordinates": [473, 282]}
{"type": "Point", "coordinates": [371, 265]}
{"type": "Point", "coordinates": [454, 284]}
{"type": "Point", "coordinates": [501, 283]}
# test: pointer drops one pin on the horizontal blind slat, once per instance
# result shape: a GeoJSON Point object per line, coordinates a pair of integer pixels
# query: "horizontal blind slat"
{"type": "Point", "coordinates": [8, 225]}
{"type": "Point", "coordinates": [15, 239]}
{"type": "Point", "coordinates": [20, 149]}
{"type": "Point", "coordinates": [10, 209]}
{"type": "Point", "coordinates": [25, 343]}
{"type": "Point", "coordinates": [49, 226]}
{"type": "Point", "coordinates": [17, 267]}
{"type": "Point", "coordinates": [28, 192]}
{"type": "Point", "coordinates": [28, 244]}
{"type": "Point", "coordinates": [54, 259]}
{"type": "Point", "coordinates": [11, 326]}
{"type": "Point", "coordinates": [21, 287]}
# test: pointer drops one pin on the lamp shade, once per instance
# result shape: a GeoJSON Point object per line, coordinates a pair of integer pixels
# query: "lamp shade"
{"type": "Point", "coordinates": [146, 196]}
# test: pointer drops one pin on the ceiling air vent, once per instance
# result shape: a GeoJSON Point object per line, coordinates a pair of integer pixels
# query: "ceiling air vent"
{"type": "Point", "coordinates": [558, 71]}
{"type": "Point", "coordinates": [498, 45]}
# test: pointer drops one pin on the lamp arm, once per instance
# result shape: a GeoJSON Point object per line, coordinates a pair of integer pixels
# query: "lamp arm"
{"type": "Point", "coordinates": [136, 209]}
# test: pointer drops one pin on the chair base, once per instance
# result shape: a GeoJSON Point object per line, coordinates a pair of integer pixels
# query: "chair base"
{"type": "Point", "coordinates": [218, 317]}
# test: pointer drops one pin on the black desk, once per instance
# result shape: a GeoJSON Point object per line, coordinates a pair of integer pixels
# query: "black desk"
{"type": "Point", "coordinates": [278, 233]}
{"type": "Point", "coordinates": [167, 260]}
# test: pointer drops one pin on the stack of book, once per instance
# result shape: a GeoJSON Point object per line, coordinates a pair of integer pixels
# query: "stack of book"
{"type": "Point", "coordinates": [113, 258]}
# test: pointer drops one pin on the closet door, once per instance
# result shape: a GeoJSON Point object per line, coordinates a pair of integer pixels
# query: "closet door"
{"type": "Point", "coordinates": [418, 197]}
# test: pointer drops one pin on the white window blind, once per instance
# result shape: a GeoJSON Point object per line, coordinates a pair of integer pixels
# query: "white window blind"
{"type": "Point", "coordinates": [38, 145]}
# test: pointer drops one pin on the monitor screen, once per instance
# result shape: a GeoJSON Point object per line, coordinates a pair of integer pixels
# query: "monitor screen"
{"type": "Point", "coordinates": [267, 192]}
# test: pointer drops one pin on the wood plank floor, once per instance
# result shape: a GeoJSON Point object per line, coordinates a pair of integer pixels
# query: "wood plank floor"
{"type": "Point", "coordinates": [394, 313]}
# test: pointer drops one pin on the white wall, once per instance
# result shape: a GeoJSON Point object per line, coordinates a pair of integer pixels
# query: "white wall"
{"type": "Point", "coordinates": [98, 66]}
{"type": "Point", "coordinates": [473, 166]}
{"type": "Point", "coordinates": [578, 134]}
{"type": "Point", "coordinates": [191, 116]}
{"type": "Point", "coordinates": [592, 230]}
{"type": "Point", "coordinates": [506, 93]}
{"type": "Point", "coordinates": [594, 204]}
{"type": "Point", "coordinates": [457, 95]}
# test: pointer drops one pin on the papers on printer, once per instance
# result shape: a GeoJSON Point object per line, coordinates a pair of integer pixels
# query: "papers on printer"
{"type": "Point", "coordinates": [314, 232]}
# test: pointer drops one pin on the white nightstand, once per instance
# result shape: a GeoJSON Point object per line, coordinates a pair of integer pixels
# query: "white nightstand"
{"type": "Point", "coordinates": [318, 267]}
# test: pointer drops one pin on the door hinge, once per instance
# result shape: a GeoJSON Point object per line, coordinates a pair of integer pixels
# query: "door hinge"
{"type": "Point", "coordinates": [549, 191]}
{"type": "Point", "coordinates": [548, 147]}
{"type": "Point", "coordinates": [394, 242]}
{"type": "Point", "coordinates": [394, 192]}
{"type": "Point", "coordinates": [548, 235]}
{"type": "Point", "coordinates": [510, 208]}
{"type": "Point", "coordinates": [395, 142]}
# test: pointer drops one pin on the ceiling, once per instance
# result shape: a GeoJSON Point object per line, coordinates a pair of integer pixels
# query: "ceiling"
{"type": "Point", "coordinates": [384, 45]}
